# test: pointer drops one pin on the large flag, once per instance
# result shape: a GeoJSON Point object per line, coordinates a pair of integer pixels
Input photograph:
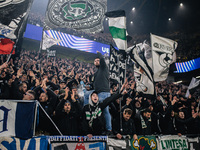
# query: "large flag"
{"type": "Point", "coordinates": [195, 83]}
{"type": "Point", "coordinates": [84, 15]}
{"type": "Point", "coordinates": [117, 27]}
{"type": "Point", "coordinates": [48, 41]}
{"type": "Point", "coordinates": [163, 53]}
{"type": "Point", "coordinates": [114, 64]}
{"type": "Point", "coordinates": [6, 46]}
{"type": "Point", "coordinates": [17, 118]}
{"type": "Point", "coordinates": [13, 17]}
{"type": "Point", "coordinates": [142, 71]}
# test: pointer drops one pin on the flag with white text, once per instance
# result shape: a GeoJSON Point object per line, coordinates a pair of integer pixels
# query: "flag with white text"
{"type": "Point", "coordinates": [163, 54]}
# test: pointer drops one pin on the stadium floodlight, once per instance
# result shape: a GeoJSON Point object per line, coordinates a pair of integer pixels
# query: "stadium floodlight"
{"type": "Point", "coordinates": [131, 22]}
{"type": "Point", "coordinates": [133, 8]}
{"type": "Point", "coordinates": [169, 19]}
{"type": "Point", "coordinates": [178, 82]}
{"type": "Point", "coordinates": [181, 4]}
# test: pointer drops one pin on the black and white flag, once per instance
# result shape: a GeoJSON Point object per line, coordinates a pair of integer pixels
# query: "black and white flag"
{"type": "Point", "coordinates": [84, 15]}
{"type": "Point", "coordinates": [113, 65]}
{"type": "Point", "coordinates": [51, 53]}
{"type": "Point", "coordinates": [195, 83]}
{"type": "Point", "coordinates": [163, 54]}
{"type": "Point", "coordinates": [142, 71]}
{"type": "Point", "coordinates": [13, 17]}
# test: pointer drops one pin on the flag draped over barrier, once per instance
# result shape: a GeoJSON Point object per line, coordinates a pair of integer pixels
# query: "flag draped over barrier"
{"type": "Point", "coordinates": [13, 143]}
{"type": "Point", "coordinates": [84, 15]}
{"type": "Point", "coordinates": [163, 54]}
{"type": "Point", "coordinates": [17, 118]}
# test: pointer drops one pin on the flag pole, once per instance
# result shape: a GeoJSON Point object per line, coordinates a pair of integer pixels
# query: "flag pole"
{"type": "Point", "coordinates": [9, 56]}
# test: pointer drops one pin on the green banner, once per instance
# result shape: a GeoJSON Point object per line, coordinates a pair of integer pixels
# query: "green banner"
{"type": "Point", "coordinates": [144, 143]}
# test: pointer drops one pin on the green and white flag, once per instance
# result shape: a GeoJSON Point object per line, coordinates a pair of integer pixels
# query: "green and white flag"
{"type": "Point", "coordinates": [117, 27]}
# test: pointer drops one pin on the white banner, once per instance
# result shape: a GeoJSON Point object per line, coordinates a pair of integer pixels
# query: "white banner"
{"type": "Point", "coordinates": [163, 53]}
{"type": "Point", "coordinates": [173, 142]}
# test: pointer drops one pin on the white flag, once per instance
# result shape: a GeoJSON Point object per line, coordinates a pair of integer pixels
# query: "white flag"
{"type": "Point", "coordinates": [48, 41]}
{"type": "Point", "coordinates": [163, 51]}
{"type": "Point", "coordinates": [193, 85]}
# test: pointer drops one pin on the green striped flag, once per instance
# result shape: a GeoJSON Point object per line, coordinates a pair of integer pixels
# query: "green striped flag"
{"type": "Point", "coordinates": [117, 27]}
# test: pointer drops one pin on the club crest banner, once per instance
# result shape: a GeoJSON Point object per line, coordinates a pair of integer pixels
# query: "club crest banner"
{"type": "Point", "coordinates": [144, 143]}
{"type": "Point", "coordinates": [84, 15]}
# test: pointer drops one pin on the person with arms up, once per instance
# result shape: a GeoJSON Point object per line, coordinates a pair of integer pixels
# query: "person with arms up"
{"type": "Point", "coordinates": [102, 86]}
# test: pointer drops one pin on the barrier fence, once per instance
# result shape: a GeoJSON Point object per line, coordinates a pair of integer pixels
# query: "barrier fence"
{"type": "Point", "coordinates": [168, 142]}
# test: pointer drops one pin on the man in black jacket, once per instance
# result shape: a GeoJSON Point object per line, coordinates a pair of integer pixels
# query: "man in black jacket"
{"type": "Point", "coordinates": [93, 122]}
{"type": "Point", "coordinates": [68, 120]}
{"type": "Point", "coordinates": [143, 122]}
{"type": "Point", "coordinates": [102, 86]}
{"type": "Point", "coordinates": [128, 126]}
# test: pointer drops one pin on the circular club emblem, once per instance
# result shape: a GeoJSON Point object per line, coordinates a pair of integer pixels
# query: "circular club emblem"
{"type": "Point", "coordinates": [77, 14]}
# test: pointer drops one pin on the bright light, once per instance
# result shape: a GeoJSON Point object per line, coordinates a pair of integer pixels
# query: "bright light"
{"type": "Point", "coordinates": [131, 22]}
{"type": "Point", "coordinates": [198, 77]}
{"type": "Point", "coordinates": [106, 18]}
{"type": "Point", "coordinates": [95, 39]}
{"type": "Point", "coordinates": [133, 8]}
{"type": "Point", "coordinates": [169, 19]}
{"type": "Point", "coordinates": [181, 4]}
{"type": "Point", "coordinates": [178, 82]}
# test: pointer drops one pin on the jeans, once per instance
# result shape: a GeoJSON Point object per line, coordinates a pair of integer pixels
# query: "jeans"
{"type": "Point", "coordinates": [107, 116]}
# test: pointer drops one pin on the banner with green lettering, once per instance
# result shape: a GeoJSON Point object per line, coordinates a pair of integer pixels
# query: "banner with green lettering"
{"type": "Point", "coordinates": [173, 142]}
{"type": "Point", "coordinates": [144, 143]}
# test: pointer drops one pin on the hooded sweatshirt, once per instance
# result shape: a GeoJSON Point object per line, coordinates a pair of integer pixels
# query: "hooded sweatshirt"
{"type": "Point", "coordinates": [93, 121]}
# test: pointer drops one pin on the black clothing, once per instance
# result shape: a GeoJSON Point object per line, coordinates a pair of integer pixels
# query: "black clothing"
{"type": "Point", "coordinates": [93, 121]}
{"type": "Point", "coordinates": [68, 123]}
{"type": "Point", "coordinates": [128, 127]}
{"type": "Point", "coordinates": [141, 130]}
{"type": "Point", "coordinates": [101, 76]}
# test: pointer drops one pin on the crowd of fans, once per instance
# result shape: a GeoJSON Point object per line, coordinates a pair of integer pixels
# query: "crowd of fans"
{"type": "Point", "coordinates": [59, 86]}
